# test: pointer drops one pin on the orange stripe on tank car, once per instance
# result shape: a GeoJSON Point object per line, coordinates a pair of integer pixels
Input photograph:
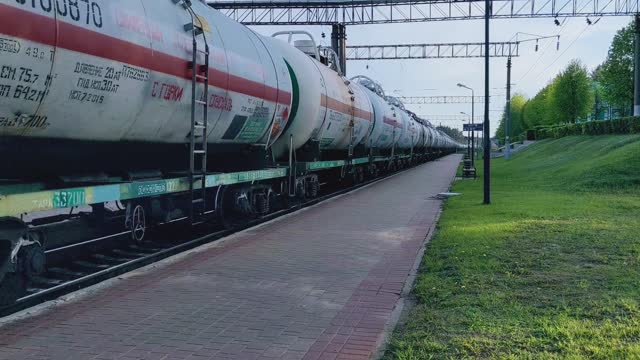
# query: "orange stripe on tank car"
{"type": "Point", "coordinates": [339, 106]}
{"type": "Point", "coordinates": [392, 122]}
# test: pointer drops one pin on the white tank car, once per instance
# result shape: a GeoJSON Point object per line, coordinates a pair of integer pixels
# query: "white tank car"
{"type": "Point", "coordinates": [386, 129]}
{"type": "Point", "coordinates": [326, 106]}
{"type": "Point", "coordinates": [420, 129]}
{"type": "Point", "coordinates": [437, 140]}
{"type": "Point", "coordinates": [115, 72]}
{"type": "Point", "coordinates": [425, 127]}
{"type": "Point", "coordinates": [431, 137]}
{"type": "Point", "coordinates": [413, 135]}
{"type": "Point", "coordinates": [423, 135]}
{"type": "Point", "coordinates": [410, 135]}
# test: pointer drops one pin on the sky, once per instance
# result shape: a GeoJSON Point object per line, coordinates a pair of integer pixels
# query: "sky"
{"type": "Point", "coordinates": [438, 77]}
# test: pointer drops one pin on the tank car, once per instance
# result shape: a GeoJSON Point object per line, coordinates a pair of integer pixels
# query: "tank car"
{"type": "Point", "coordinates": [105, 88]}
{"type": "Point", "coordinates": [388, 127]}
{"type": "Point", "coordinates": [330, 113]}
{"type": "Point", "coordinates": [101, 85]}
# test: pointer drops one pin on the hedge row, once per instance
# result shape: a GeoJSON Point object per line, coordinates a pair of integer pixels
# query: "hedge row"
{"type": "Point", "coordinates": [626, 125]}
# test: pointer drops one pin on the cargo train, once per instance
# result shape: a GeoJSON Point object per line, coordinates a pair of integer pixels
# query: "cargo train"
{"type": "Point", "coordinates": [173, 111]}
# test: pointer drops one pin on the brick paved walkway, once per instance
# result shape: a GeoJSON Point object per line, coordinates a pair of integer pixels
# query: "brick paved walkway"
{"type": "Point", "coordinates": [320, 284]}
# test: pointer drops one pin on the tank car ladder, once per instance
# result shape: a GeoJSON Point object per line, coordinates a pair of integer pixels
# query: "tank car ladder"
{"type": "Point", "coordinates": [198, 135]}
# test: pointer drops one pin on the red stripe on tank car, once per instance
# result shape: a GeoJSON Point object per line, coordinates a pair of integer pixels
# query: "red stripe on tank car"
{"type": "Point", "coordinates": [42, 29]}
{"type": "Point", "coordinates": [392, 122]}
{"type": "Point", "coordinates": [339, 106]}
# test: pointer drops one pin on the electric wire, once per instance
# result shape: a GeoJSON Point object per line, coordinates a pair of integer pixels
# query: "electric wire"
{"type": "Point", "coordinates": [561, 54]}
{"type": "Point", "coordinates": [542, 53]}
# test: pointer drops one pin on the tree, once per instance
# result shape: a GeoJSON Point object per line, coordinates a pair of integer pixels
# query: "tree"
{"type": "Point", "coordinates": [538, 110]}
{"type": "Point", "coordinates": [615, 76]}
{"type": "Point", "coordinates": [572, 96]}
{"type": "Point", "coordinates": [600, 106]}
{"type": "Point", "coordinates": [518, 104]}
{"type": "Point", "coordinates": [453, 133]}
{"type": "Point", "coordinates": [517, 124]}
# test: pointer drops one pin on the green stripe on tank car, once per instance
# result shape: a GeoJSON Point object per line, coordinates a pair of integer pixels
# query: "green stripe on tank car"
{"type": "Point", "coordinates": [295, 100]}
{"type": "Point", "coordinates": [16, 204]}
{"type": "Point", "coordinates": [245, 176]}
{"type": "Point", "coordinates": [318, 165]}
{"type": "Point", "coordinates": [360, 161]}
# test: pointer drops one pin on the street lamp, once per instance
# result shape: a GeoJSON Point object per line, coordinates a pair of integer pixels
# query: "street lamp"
{"type": "Point", "coordinates": [468, 133]}
{"type": "Point", "coordinates": [473, 148]}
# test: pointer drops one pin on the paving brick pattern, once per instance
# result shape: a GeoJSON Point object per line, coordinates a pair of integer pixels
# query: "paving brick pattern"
{"type": "Point", "coordinates": [320, 284]}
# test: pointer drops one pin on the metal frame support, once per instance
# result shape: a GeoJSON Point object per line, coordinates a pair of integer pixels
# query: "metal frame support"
{"type": "Point", "coordinates": [487, 133]}
{"type": "Point", "coordinates": [440, 99]}
{"type": "Point", "coordinates": [357, 12]}
{"type": "Point", "coordinates": [431, 51]}
{"type": "Point", "coordinates": [636, 75]}
{"type": "Point", "coordinates": [507, 117]}
{"type": "Point", "coordinates": [334, 38]}
{"type": "Point", "coordinates": [339, 44]}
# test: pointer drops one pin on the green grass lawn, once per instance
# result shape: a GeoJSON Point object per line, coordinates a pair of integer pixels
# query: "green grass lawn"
{"type": "Point", "coordinates": [550, 270]}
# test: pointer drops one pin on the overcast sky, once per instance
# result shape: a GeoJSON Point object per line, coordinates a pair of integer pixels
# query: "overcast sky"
{"type": "Point", "coordinates": [531, 71]}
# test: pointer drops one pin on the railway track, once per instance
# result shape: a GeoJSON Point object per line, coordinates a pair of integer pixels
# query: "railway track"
{"type": "Point", "coordinates": [125, 256]}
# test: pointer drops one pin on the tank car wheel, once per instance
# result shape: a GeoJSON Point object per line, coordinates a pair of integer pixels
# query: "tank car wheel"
{"type": "Point", "coordinates": [12, 287]}
{"type": "Point", "coordinates": [301, 192]}
{"type": "Point", "coordinates": [138, 223]}
{"type": "Point", "coordinates": [227, 217]}
{"type": "Point", "coordinates": [360, 172]}
{"type": "Point", "coordinates": [354, 177]}
{"type": "Point", "coordinates": [264, 203]}
{"type": "Point", "coordinates": [313, 187]}
{"type": "Point", "coordinates": [33, 261]}
{"type": "Point", "coordinates": [273, 201]}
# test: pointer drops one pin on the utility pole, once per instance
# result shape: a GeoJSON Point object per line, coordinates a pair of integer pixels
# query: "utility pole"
{"type": "Point", "coordinates": [335, 45]}
{"type": "Point", "coordinates": [636, 75]}
{"type": "Point", "coordinates": [472, 153]}
{"type": "Point", "coordinates": [507, 123]}
{"type": "Point", "coordinates": [339, 44]}
{"type": "Point", "coordinates": [469, 149]}
{"type": "Point", "coordinates": [487, 134]}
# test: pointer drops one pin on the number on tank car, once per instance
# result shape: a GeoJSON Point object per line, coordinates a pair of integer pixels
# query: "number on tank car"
{"type": "Point", "coordinates": [151, 189]}
{"type": "Point", "coordinates": [37, 53]}
{"type": "Point", "coordinates": [63, 199]}
{"type": "Point", "coordinates": [82, 11]}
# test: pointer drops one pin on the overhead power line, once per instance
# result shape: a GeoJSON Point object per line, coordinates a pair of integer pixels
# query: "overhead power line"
{"type": "Point", "coordinates": [355, 12]}
{"type": "Point", "coordinates": [453, 117]}
{"type": "Point", "coordinates": [419, 100]}
{"type": "Point", "coordinates": [431, 51]}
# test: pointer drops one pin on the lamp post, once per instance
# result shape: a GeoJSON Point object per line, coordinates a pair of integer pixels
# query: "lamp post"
{"type": "Point", "coordinates": [473, 148]}
{"type": "Point", "coordinates": [468, 134]}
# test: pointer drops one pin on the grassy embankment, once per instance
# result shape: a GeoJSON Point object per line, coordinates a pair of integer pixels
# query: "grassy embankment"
{"type": "Point", "coordinates": [550, 270]}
